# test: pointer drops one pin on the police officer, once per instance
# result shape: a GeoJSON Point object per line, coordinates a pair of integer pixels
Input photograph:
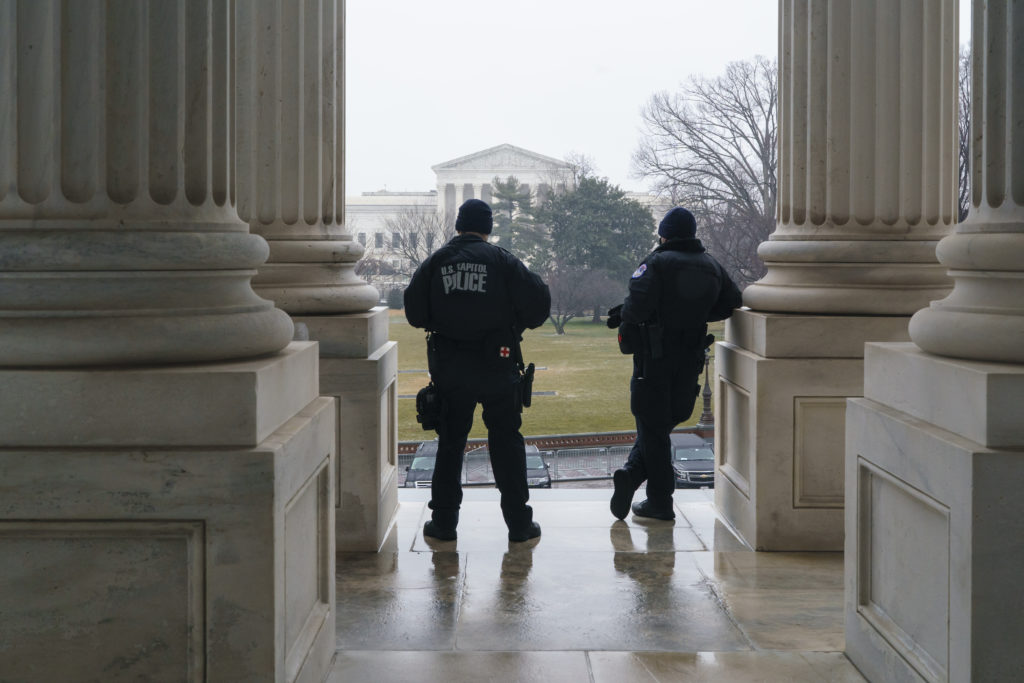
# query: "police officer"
{"type": "Point", "coordinates": [672, 296]}
{"type": "Point", "coordinates": [476, 299]}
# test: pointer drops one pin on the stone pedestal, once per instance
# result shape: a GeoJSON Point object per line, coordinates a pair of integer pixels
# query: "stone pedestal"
{"type": "Point", "coordinates": [359, 367]}
{"type": "Point", "coordinates": [168, 523]}
{"type": "Point", "coordinates": [781, 393]}
{"type": "Point", "coordinates": [935, 462]}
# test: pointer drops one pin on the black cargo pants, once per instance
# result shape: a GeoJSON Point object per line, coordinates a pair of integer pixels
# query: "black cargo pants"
{"type": "Point", "coordinates": [467, 374]}
{"type": "Point", "coordinates": [662, 393]}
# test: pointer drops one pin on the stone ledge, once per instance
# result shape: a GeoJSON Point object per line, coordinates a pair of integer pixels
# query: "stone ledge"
{"type": "Point", "coordinates": [217, 404]}
{"type": "Point", "coordinates": [352, 335]}
{"type": "Point", "coordinates": [781, 335]}
{"type": "Point", "coordinates": [976, 400]}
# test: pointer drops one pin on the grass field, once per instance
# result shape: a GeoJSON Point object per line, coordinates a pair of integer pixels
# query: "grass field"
{"type": "Point", "coordinates": [583, 367]}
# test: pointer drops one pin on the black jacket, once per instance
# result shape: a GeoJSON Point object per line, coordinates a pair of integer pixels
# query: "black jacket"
{"type": "Point", "coordinates": [680, 287]}
{"type": "Point", "coordinates": [469, 288]}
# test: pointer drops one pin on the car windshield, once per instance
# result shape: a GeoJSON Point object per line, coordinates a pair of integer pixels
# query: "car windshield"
{"type": "Point", "coordinates": [534, 462]}
{"type": "Point", "coordinates": [423, 463]}
{"type": "Point", "coordinates": [694, 454]}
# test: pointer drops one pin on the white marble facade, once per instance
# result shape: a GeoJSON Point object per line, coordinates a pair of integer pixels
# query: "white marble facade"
{"type": "Point", "coordinates": [471, 176]}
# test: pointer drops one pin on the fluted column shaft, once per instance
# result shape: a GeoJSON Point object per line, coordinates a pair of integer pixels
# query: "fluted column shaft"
{"type": "Point", "coordinates": [867, 166]}
{"type": "Point", "coordinates": [983, 317]}
{"type": "Point", "coordinates": [442, 197]}
{"type": "Point", "coordinates": [118, 240]}
{"type": "Point", "coordinates": [290, 156]}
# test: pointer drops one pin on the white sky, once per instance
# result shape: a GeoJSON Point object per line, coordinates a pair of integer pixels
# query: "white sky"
{"type": "Point", "coordinates": [431, 81]}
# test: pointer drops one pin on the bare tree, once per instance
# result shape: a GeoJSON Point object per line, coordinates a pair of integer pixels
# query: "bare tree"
{"type": "Point", "coordinates": [410, 237]}
{"type": "Point", "coordinates": [575, 288]}
{"type": "Point", "coordinates": [964, 133]}
{"type": "Point", "coordinates": [712, 147]}
{"type": "Point", "coordinates": [568, 295]}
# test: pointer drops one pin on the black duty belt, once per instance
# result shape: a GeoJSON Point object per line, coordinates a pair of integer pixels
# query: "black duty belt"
{"type": "Point", "coordinates": [465, 344]}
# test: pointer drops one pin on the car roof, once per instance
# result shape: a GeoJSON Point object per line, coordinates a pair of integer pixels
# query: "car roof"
{"type": "Point", "coordinates": [427, 448]}
{"type": "Point", "coordinates": [685, 440]}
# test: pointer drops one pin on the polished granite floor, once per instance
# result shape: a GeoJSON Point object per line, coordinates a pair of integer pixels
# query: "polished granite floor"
{"type": "Point", "coordinates": [593, 600]}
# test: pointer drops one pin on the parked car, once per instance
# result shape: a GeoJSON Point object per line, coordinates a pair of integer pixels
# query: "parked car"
{"type": "Point", "coordinates": [693, 460]}
{"type": "Point", "coordinates": [419, 473]}
{"type": "Point", "coordinates": [537, 474]}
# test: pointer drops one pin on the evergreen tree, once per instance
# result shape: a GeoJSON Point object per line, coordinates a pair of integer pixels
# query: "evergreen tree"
{"type": "Point", "coordinates": [597, 229]}
{"type": "Point", "coordinates": [514, 224]}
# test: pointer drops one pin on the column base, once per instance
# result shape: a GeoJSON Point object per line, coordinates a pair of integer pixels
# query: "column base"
{"type": "Point", "coordinates": [359, 367]}
{"type": "Point", "coordinates": [782, 386]}
{"type": "Point", "coordinates": [183, 563]}
{"type": "Point", "coordinates": [934, 521]}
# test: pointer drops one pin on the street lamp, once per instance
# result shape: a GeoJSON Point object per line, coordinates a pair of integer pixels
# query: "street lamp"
{"type": "Point", "coordinates": [707, 418]}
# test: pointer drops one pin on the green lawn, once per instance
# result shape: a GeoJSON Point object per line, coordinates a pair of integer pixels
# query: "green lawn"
{"type": "Point", "coordinates": [583, 367]}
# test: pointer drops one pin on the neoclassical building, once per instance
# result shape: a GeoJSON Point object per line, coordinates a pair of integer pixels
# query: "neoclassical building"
{"type": "Point", "coordinates": [178, 471]}
{"type": "Point", "coordinates": [369, 216]}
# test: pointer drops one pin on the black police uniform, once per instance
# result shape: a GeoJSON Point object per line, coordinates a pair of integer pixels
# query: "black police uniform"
{"type": "Point", "coordinates": [477, 299]}
{"type": "Point", "coordinates": [674, 293]}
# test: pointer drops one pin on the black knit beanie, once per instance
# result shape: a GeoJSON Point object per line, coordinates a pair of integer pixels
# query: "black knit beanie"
{"type": "Point", "coordinates": [474, 216]}
{"type": "Point", "coordinates": [678, 224]}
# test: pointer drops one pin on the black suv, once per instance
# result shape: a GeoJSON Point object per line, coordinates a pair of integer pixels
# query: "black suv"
{"type": "Point", "coordinates": [693, 460]}
{"type": "Point", "coordinates": [537, 475]}
{"type": "Point", "coordinates": [421, 471]}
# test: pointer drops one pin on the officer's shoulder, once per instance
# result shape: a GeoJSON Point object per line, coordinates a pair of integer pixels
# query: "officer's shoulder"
{"type": "Point", "coordinates": [504, 253]}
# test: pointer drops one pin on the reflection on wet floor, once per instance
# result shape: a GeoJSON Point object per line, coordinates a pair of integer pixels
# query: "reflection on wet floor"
{"type": "Point", "coordinates": [593, 599]}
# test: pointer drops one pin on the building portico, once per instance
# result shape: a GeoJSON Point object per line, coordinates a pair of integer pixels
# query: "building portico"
{"type": "Point", "coordinates": [198, 397]}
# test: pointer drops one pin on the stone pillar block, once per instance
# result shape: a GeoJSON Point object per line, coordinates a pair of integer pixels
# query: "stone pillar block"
{"type": "Point", "coordinates": [194, 559]}
{"type": "Point", "coordinates": [781, 393]}
{"type": "Point", "coordinates": [934, 519]}
{"type": "Point", "coordinates": [359, 367]}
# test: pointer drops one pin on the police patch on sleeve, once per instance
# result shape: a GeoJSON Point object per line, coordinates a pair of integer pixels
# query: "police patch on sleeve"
{"type": "Point", "coordinates": [639, 271]}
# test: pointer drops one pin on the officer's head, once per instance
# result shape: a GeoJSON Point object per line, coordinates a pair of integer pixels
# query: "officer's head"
{"type": "Point", "coordinates": [474, 216]}
{"type": "Point", "coordinates": [678, 224]}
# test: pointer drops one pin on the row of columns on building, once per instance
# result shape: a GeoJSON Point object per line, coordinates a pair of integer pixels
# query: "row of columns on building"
{"type": "Point", "coordinates": [450, 196]}
{"type": "Point", "coordinates": [161, 158]}
{"type": "Point", "coordinates": [145, 148]}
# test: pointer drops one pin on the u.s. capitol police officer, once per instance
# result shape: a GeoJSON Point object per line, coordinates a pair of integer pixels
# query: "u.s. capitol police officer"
{"type": "Point", "coordinates": [476, 299]}
{"type": "Point", "coordinates": [673, 294]}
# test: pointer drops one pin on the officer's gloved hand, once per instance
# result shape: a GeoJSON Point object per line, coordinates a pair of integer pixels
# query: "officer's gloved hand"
{"type": "Point", "coordinates": [614, 317]}
{"type": "Point", "coordinates": [709, 340]}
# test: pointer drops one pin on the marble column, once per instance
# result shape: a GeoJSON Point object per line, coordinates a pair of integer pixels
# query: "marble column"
{"type": "Point", "coordinates": [866, 188]}
{"type": "Point", "coordinates": [118, 240]}
{"type": "Point", "coordinates": [442, 197]}
{"type": "Point", "coordinates": [290, 156]}
{"type": "Point", "coordinates": [290, 185]}
{"type": "Point", "coordinates": [935, 449]}
{"type": "Point", "coordinates": [460, 192]}
{"type": "Point", "coordinates": [166, 457]}
{"type": "Point", "coordinates": [867, 160]}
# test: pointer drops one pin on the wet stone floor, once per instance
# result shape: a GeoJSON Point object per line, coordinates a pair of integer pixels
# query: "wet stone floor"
{"type": "Point", "coordinates": [592, 600]}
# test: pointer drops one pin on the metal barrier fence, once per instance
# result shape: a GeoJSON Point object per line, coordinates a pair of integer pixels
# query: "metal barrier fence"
{"type": "Point", "coordinates": [564, 464]}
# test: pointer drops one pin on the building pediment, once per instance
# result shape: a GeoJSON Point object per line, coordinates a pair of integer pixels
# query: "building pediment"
{"type": "Point", "coordinates": [502, 158]}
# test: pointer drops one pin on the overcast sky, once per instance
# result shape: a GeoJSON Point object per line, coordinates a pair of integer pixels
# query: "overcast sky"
{"type": "Point", "coordinates": [432, 81]}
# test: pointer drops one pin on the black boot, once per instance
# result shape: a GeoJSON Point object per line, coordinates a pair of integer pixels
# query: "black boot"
{"type": "Point", "coordinates": [623, 494]}
{"type": "Point", "coordinates": [645, 509]}
{"type": "Point", "coordinates": [532, 531]}
{"type": "Point", "coordinates": [433, 530]}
